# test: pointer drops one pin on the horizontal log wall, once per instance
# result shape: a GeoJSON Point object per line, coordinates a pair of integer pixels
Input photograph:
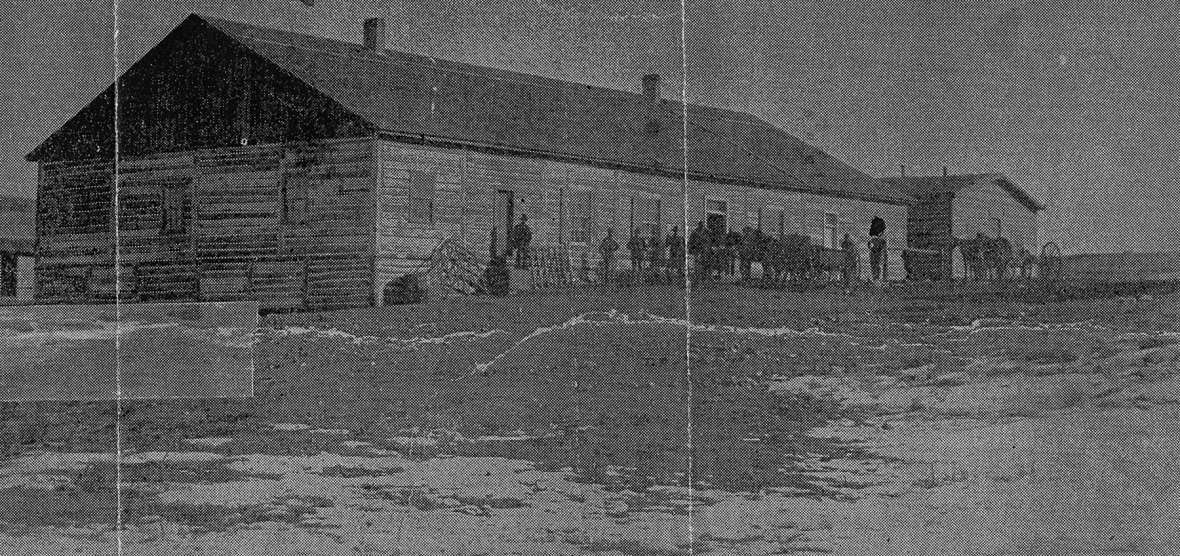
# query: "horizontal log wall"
{"type": "Point", "coordinates": [75, 228]}
{"type": "Point", "coordinates": [289, 225]}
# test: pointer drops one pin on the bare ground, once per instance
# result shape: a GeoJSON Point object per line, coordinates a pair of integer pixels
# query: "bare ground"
{"type": "Point", "coordinates": [906, 423]}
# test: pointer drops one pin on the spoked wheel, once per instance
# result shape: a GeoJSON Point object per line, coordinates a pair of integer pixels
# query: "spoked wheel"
{"type": "Point", "coordinates": [1049, 263]}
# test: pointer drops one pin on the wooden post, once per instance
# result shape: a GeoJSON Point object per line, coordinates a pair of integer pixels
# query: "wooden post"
{"type": "Point", "coordinates": [304, 288]}
{"type": "Point", "coordinates": [375, 184]}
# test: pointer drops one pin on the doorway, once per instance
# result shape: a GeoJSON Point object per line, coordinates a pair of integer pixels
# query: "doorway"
{"type": "Point", "coordinates": [715, 213]}
{"type": "Point", "coordinates": [505, 218]}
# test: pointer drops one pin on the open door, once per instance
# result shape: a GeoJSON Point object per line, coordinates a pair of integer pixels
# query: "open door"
{"type": "Point", "coordinates": [505, 218]}
{"type": "Point", "coordinates": [715, 216]}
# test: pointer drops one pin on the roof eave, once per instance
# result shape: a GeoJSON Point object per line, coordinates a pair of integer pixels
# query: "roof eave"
{"type": "Point", "coordinates": [795, 186]}
{"type": "Point", "coordinates": [1024, 197]}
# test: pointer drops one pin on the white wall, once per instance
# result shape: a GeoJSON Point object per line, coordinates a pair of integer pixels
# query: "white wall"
{"type": "Point", "coordinates": [468, 183]}
{"type": "Point", "coordinates": [977, 206]}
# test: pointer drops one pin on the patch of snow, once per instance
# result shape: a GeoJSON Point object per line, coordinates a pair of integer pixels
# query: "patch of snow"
{"type": "Point", "coordinates": [211, 441]}
{"type": "Point", "coordinates": [414, 441]}
{"type": "Point", "coordinates": [146, 457]}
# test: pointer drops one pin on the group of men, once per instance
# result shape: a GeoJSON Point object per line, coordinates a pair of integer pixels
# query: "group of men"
{"type": "Point", "coordinates": [716, 252]}
{"type": "Point", "coordinates": [652, 258]}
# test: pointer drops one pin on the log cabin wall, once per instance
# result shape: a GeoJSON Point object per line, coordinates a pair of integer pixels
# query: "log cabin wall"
{"type": "Point", "coordinates": [929, 224]}
{"type": "Point", "coordinates": [75, 231]}
{"type": "Point", "coordinates": [929, 227]}
{"type": "Point", "coordinates": [290, 225]}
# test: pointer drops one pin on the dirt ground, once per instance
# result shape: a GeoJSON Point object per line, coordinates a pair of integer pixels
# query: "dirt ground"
{"type": "Point", "coordinates": [904, 421]}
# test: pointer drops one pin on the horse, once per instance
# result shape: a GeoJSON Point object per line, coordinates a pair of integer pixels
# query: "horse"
{"type": "Point", "coordinates": [824, 262]}
{"type": "Point", "coordinates": [1025, 261]}
{"type": "Point", "coordinates": [986, 258]}
{"type": "Point", "coordinates": [971, 252]}
{"type": "Point", "coordinates": [796, 256]}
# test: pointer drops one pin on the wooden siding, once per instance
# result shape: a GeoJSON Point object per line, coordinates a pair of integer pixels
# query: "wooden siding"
{"type": "Point", "coordinates": [233, 242]}
{"type": "Point", "coordinates": [327, 224]}
{"type": "Point", "coordinates": [853, 218]}
{"type": "Point", "coordinates": [469, 184]}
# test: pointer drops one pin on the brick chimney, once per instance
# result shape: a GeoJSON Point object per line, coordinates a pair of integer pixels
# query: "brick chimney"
{"type": "Point", "coordinates": [651, 87]}
{"type": "Point", "coordinates": [374, 34]}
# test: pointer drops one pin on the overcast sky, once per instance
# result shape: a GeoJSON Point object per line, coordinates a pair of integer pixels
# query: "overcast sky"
{"type": "Point", "coordinates": [1075, 101]}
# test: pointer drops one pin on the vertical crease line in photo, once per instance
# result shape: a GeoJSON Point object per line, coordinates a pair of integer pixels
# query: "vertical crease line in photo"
{"type": "Point", "coordinates": [687, 289]}
{"type": "Point", "coordinates": [118, 306]}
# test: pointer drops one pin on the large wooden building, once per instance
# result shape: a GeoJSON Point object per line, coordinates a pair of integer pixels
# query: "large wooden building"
{"type": "Point", "coordinates": [948, 209]}
{"type": "Point", "coordinates": [306, 172]}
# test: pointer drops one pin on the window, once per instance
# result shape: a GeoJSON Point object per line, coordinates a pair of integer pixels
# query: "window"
{"type": "Point", "coordinates": [715, 214]}
{"type": "Point", "coordinates": [420, 202]}
{"type": "Point", "coordinates": [754, 219]}
{"type": "Point", "coordinates": [581, 219]}
{"type": "Point", "coordinates": [831, 231]}
{"type": "Point", "coordinates": [647, 215]}
{"type": "Point", "coordinates": [295, 188]}
{"type": "Point", "coordinates": [779, 221]}
{"type": "Point", "coordinates": [174, 206]}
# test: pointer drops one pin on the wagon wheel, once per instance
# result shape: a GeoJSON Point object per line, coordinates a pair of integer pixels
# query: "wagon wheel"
{"type": "Point", "coordinates": [1049, 263]}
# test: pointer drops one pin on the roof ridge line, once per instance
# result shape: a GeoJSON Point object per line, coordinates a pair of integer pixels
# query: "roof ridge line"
{"type": "Point", "coordinates": [524, 77]}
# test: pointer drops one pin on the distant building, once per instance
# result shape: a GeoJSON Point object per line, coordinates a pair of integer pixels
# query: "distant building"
{"type": "Point", "coordinates": [17, 223]}
{"type": "Point", "coordinates": [308, 172]}
{"type": "Point", "coordinates": [952, 208]}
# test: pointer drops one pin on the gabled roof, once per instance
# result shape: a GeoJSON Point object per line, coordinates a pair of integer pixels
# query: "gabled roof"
{"type": "Point", "coordinates": [415, 97]}
{"type": "Point", "coordinates": [923, 187]}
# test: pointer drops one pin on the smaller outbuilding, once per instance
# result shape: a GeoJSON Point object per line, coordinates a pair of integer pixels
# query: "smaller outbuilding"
{"type": "Point", "coordinates": [17, 246]}
{"type": "Point", "coordinates": [980, 224]}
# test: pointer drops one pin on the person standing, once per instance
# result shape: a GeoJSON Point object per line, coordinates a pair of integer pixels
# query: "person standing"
{"type": "Point", "coordinates": [607, 249]}
{"type": "Point", "coordinates": [636, 245]}
{"type": "Point", "coordinates": [655, 253]}
{"type": "Point", "coordinates": [732, 246]}
{"type": "Point", "coordinates": [698, 245]}
{"type": "Point", "coordinates": [848, 269]}
{"type": "Point", "coordinates": [878, 255]}
{"type": "Point", "coordinates": [522, 236]}
{"type": "Point", "coordinates": [675, 245]}
{"type": "Point", "coordinates": [747, 252]}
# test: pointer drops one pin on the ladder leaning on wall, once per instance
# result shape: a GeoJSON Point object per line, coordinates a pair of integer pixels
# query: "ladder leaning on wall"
{"type": "Point", "coordinates": [452, 270]}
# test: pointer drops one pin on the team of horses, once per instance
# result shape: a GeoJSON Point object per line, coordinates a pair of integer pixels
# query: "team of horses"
{"type": "Point", "coordinates": [982, 258]}
{"type": "Point", "coordinates": [793, 258]}
{"type": "Point", "coordinates": [988, 258]}
{"type": "Point", "coordinates": [788, 258]}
